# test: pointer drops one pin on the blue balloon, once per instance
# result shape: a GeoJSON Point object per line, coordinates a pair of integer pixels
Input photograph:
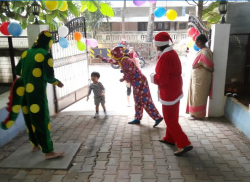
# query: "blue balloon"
{"type": "Point", "coordinates": [63, 42]}
{"type": "Point", "coordinates": [160, 12]}
{"type": "Point", "coordinates": [196, 48]}
{"type": "Point", "coordinates": [15, 29]}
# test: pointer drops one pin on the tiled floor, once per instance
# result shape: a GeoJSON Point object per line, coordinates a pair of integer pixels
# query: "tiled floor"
{"type": "Point", "coordinates": [112, 150]}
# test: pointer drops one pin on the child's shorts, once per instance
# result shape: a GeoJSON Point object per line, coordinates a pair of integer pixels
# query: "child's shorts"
{"type": "Point", "coordinates": [99, 100]}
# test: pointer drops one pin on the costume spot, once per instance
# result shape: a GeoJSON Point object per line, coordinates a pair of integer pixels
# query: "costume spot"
{"type": "Point", "coordinates": [29, 87]}
{"type": "Point", "coordinates": [16, 108]}
{"type": "Point", "coordinates": [9, 124]}
{"type": "Point", "coordinates": [24, 54]}
{"type": "Point", "coordinates": [40, 147]}
{"type": "Point", "coordinates": [32, 143]}
{"type": "Point", "coordinates": [34, 108]}
{"type": "Point", "coordinates": [27, 129]}
{"type": "Point", "coordinates": [25, 110]}
{"type": "Point", "coordinates": [50, 43]}
{"type": "Point", "coordinates": [55, 83]}
{"type": "Point", "coordinates": [33, 128]}
{"type": "Point", "coordinates": [20, 91]}
{"type": "Point", "coordinates": [49, 126]}
{"type": "Point", "coordinates": [37, 72]}
{"type": "Point", "coordinates": [47, 34]}
{"type": "Point", "coordinates": [50, 62]}
{"type": "Point", "coordinates": [39, 57]}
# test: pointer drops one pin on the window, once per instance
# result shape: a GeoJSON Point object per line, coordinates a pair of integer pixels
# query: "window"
{"type": "Point", "coordinates": [158, 26]}
{"type": "Point", "coordinates": [182, 25]}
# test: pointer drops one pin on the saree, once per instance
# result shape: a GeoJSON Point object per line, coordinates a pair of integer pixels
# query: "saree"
{"type": "Point", "coordinates": [200, 83]}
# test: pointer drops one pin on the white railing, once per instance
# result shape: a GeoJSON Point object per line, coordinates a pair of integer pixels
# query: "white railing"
{"type": "Point", "coordinates": [137, 36]}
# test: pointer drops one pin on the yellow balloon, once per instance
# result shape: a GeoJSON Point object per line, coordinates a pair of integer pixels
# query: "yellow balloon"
{"type": "Point", "coordinates": [171, 14]}
{"type": "Point", "coordinates": [51, 5]}
{"type": "Point", "coordinates": [64, 7]}
{"type": "Point", "coordinates": [190, 43]}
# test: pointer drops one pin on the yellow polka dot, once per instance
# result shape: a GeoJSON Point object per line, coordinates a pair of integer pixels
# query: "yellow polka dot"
{"type": "Point", "coordinates": [40, 147]}
{"type": "Point", "coordinates": [50, 43]}
{"type": "Point", "coordinates": [47, 34]}
{"type": "Point", "coordinates": [16, 108]}
{"type": "Point", "coordinates": [50, 62]}
{"type": "Point", "coordinates": [32, 144]}
{"type": "Point", "coordinates": [9, 124]}
{"type": "Point", "coordinates": [33, 128]}
{"type": "Point", "coordinates": [39, 57]}
{"type": "Point", "coordinates": [49, 126]}
{"type": "Point", "coordinates": [24, 54]}
{"type": "Point", "coordinates": [37, 72]}
{"type": "Point", "coordinates": [55, 83]}
{"type": "Point", "coordinates": [29, 87]}
{"type": "Point", "coordinates": [34, 108]}
{"type": "Point", "coordinates": [20, 91]}
{"type": "Point", "coordinates": [25, 110]}
{"type": "Point", "coordinates": [27, 129]}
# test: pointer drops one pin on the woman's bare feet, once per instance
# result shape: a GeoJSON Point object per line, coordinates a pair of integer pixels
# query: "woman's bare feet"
{"type": "Point", "coordinates": [35, 149]}
{"type": "Point", "coordinates": [53, 155]}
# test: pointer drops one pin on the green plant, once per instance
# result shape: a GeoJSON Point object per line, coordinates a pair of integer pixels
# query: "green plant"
{"type": "Point", "coordinates": [211, 13]}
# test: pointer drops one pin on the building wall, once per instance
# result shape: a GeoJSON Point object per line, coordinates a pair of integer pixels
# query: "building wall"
{"type": "Point", "coordinates": [129, 26]}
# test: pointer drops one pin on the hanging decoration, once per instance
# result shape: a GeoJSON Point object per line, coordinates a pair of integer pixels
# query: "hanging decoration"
{"type": "Point", "coordinates": [192, 31]}
{"type": "Point", "coordinates": [195, 35]}
{"type": "Point", "coordinates": [60, 4]}
{"type": "Point", "coordinates": [171, 14]}
{"type": "Point", "coordinates": [91, 42]}
{"type": "Point", "coordinates": [190, 43]}
{"type": "Point", "coordinates": [64, 6]}
{"type": "Point", "coordinates": [81, 46]}
{"type": "Point", "coordinates": [196, 48]}
{"type": "Point", "coordinates": [63, 31]}
{"type": "Point", "coordinates": [159, 12]}
{"type": "Point", "coordinates": [152, 2]}
{"type": "Point", "coordinates": [15, 29]}
{"type": "Point", "coordinates": [63, 42]}
{"type": "Point", "coordinates": [77, 36]}
{"type": "Point", "coordinates": [139, 2]}
{"type": "Point", "coordinates": [4, 28]}
{"type": "Point", "coordinates": [51, 5]}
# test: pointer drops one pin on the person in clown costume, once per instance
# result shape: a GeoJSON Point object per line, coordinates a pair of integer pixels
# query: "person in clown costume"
{"type": "Point", "coordinates": [134, 76]}
{"type": "Point", "coordinates": [168, 78]}
{"type": "Point", "coordinates": [28, 93]}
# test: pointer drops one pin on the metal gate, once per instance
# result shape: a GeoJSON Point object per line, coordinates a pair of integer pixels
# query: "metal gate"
{"type": "Point", "coordinates": [71, 67]}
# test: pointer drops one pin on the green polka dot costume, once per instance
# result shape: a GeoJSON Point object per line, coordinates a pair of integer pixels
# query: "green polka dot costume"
{"type": "Point", "coordinates": [29, 92]}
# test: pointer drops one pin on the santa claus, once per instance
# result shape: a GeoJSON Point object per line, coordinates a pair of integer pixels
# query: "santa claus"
{"type": "Point", "coordinates": [168, 78]}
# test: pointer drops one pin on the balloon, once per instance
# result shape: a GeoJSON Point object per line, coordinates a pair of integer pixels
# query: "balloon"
{"type": "Point", "coordinates": [159, 12]}
{"type": "Point", "coordinates": [171, 14]}
{"type": "Point", "coordinates": [139, 2]}
{"type": "Point", "coordinates": [81, 46]}
{"type": "Point", "coordinates": [63, 31]}
{"type": "Point", "coordinates": [195, 35]}
{"type": "Point", "coordinates": [152, 2]}
{"type": "Point", "coordinates": [196, 48]}
{"type": "Point", "coordinates": [64, 43]}
{"type": "Point", "coordinates": [190, 43]}
{"type": "Point", "coordinates": [192, 31]}
{"type": "Point", "coordinates": [92, 42]}
{"type": "Point", "coordinates": [64, 7]}
{"type": "Point", "coordinates": [60, 4]}
{"type": "Point", "coordinates": [51, 5]}
{"type": "Point", "coordinates": [77, 36]}
{"type": "Point", "coordinates": [15, 29]}
{"type": "Point", "coordinates": [4, 28]}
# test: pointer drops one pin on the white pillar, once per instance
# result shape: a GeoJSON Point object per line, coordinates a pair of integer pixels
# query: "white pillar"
{"type": "Point", "coordinates": [219, 46]}
{"type": "Point", "coordinates": [33, 31]}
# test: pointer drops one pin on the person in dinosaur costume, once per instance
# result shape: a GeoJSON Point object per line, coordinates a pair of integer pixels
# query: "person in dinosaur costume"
{"type": "Point", "coordinates": [141, 91]}
{"type": "Point", "coordinates": [35, 70]}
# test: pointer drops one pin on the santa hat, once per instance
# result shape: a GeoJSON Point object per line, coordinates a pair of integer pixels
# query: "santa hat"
{"type": "Point", "coordinates": [162, 39]}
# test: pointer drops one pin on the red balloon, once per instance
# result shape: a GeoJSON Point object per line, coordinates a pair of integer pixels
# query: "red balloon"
{"type": "Point", "coordinates": [4, 28]}
{"type": "Point", "coordinates": [195, 35]}
{"type": "Point", "coordinates": [192, 31]}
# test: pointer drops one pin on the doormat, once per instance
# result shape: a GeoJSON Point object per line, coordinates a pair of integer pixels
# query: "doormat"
{"type": "Point", "coordinates": [23, 158]}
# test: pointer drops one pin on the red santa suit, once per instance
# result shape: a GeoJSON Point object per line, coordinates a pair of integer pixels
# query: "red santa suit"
{"type": "Point", "coordinates": [168, 78]}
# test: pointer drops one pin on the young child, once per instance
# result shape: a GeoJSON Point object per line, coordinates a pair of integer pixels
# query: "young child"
{"type": "Point", "coordinates": [99, 93]}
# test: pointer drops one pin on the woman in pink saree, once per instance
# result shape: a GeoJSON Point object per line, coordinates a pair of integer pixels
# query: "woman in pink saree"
{"type": "Point", "coordinates": [201, 80]}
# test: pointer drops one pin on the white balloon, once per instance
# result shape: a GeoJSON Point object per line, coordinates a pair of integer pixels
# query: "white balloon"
{"type": "Point", "coordinates": [63, 31]}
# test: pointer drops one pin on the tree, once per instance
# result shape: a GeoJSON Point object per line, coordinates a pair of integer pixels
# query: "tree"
{"type": "Point", "coordinates": [21, 11]}
{"type": "Point", "coordinates": [151, 18]}
{"type": "Point", "coordinates": [211, 13]}
{"type": "Point", "coordinates": [123, 19]}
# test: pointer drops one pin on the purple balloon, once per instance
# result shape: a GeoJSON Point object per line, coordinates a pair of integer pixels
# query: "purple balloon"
{"type": "Point", "coordinates": [139, 2]}
{"type": "Point", "coordinates": [92, 42]}
{"type": "Point", "coordinates": [152, 2]}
